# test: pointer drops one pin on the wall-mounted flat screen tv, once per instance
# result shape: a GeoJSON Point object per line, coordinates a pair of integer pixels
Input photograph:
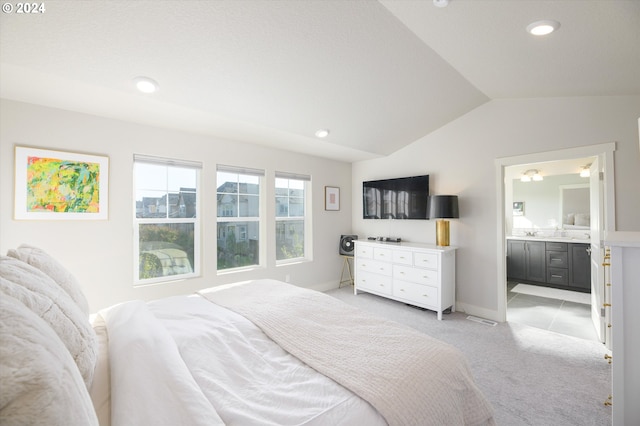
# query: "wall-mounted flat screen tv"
{"type": "Point", "coordinates": [400, 198]}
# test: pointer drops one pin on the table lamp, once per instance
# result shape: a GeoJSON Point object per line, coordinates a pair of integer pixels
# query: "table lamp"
{"type": "Point", "coordinates": [442, 207]}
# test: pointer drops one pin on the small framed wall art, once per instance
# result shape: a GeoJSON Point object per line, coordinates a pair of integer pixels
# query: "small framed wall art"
{"type": "Point", "coordinates": [518, 208]}
{"type": "Point", "coordinates": [56, 185]}
{"type": "Point", "coordinates": [331, 198]}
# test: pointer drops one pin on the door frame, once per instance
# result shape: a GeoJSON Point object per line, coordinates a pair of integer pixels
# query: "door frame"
{"type": "Point", "coordinates": [605, 154]}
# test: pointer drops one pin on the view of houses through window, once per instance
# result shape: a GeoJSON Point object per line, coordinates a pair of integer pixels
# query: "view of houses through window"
{"type": "Point", "coordinates": [238, 205]}
{"type": "Point", "coordinates": [166, 218]}
{"type": "Point", "coordinates": [290, 216]}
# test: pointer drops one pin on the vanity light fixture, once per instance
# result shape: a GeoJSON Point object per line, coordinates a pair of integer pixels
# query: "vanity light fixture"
{"type": "Point", "coordinates": [322, 133]}
{"type": "Point", "coordinates": [585, 172]}
{"type": "Point", "coordinates": [532, 174]}
{"type": "Point", "coordinates": [544, 27]}
{"type": "Point", "coordinates": [146, 84]}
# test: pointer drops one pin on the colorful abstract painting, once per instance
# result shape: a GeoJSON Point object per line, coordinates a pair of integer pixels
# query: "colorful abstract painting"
{"type": "Point", "coordinates": [59, 185]}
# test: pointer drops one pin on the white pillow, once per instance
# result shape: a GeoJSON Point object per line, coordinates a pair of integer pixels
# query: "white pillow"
{"type": "Point", "coordinates": [582, 219]}
{"type": "Point", "coordinates": [569, 219]}
{"type": "Point", "coordinates": [41, 385]}
{"type": "Point", "coordinates": [40, 259]}
{"type": "Point", "coordinates": [47, 300]}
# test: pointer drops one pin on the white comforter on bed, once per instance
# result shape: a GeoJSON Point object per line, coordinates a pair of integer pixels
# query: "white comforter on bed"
{"type": "Point", "coordinates": [187, 361]}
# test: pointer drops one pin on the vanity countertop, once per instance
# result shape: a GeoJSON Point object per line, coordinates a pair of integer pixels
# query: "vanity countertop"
{"type": "Point", "coordinates": [551, 239]}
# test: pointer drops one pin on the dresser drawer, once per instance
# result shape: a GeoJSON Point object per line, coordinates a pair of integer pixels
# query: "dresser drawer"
{"type": "Point", "coordinates": [364, 251]}
{"type": "Point", "coordinates": [426, 260]}
{"type": "Point", "coordinates": [558, 276]}
{"type": "Point", "coordinates": [403, 256]}
{"type": "Point", "coordinates": [421, 294]}
{"type": "Point", "coordinates": [374, 266]}
{"type": "Point", "coordinates": [374, 282]}
{"type": "Point", "coordinates": [416, 275]}
{"type": "Point", "coordinates": [383, 254]}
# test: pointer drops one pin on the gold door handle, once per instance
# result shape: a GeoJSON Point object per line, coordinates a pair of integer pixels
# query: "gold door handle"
{"type": "Point", "coordinates": [606, 264]}
{"type": "Point", "coordinates": [608, 358]}
{"type": "Point", "coordinates": [606, 305]}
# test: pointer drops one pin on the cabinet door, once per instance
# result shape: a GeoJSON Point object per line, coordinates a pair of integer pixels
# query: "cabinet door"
{"type": "Point", "coordinates": [536, 261]}
{"type": "Point", "coordinates": [580, 275]}
{"type": "Point", "coordinates": [516, 260]}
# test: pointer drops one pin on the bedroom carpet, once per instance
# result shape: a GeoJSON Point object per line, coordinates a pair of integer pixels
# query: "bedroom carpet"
{"type": "Point", "coordinates": [530, 376]}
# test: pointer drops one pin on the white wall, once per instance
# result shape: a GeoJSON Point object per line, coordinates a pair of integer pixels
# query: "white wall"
{"type": "Point", "coordinates": [460, 159]}
{"type": "Point", "coordinates": [542, 209]}
{"type": "Point", "coordinates": [100, 253]}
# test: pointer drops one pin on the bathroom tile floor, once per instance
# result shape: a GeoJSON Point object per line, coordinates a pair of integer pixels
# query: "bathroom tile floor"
{"type": "Point", "coordinates": [560, 316]}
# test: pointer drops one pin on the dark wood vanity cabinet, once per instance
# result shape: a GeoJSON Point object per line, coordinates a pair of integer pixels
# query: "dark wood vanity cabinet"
{"type": "Point", "coordinates": [554, 264]}
{"type": "Point", "coordinates": [526, 260]}
{"type": "Point", "coordinates": [580, 260]}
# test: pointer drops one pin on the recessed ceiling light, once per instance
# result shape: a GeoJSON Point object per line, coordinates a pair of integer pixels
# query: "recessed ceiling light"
{"type": "Point", "coordinates": [440, 3]}
{"type": "Point", "coordinates": [322, 133]}
{"type": "Point", "coordinates": [145, 84]}
{"type": "Point", "coordinates": [544, 27]}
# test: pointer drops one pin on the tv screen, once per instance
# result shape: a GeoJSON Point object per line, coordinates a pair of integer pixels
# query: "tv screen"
{"type": "Point", "coordinates": [400, 198]}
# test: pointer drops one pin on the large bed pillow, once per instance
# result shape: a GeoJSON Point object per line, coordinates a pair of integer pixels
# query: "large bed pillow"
{"type": "Point", "coordinates": [43, 261]}
{"type": "Point", "coordinates": [41, 385]}
{"type": "Point", "coordinates": [47, 300]}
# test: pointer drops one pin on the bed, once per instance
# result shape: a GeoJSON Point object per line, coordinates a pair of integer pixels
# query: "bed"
{"type": "Point", "coordinates": [261, 352]}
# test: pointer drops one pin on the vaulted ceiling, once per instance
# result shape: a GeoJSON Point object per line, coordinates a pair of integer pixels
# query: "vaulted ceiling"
{"type": "Point", "coordinates": [378, 74]}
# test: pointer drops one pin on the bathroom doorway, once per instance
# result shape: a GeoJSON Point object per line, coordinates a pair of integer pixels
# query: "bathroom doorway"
{"type": "Point", "coordinates": [540, 216]}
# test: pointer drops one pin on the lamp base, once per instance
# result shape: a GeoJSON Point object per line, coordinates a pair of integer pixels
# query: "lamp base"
{"type": "Point", "coordinates": [442, 232]}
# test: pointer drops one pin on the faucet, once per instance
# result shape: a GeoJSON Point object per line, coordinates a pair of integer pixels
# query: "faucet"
{"type": "Point", "coordinates": [530, 233]}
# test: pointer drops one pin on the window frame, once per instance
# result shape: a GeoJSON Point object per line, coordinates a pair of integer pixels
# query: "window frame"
{"type": "Point", "coordinates": [306, 218]}
{"type": "Point", "coordinates": [137, 222]}
{"type": "Point", "coordinates": [241, 220]}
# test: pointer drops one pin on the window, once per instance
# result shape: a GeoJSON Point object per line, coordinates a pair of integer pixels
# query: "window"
{"type": "Point", "coordinates": [166, 218]}
{"type": "Point", "coordinates": [238, 205]}
{"type": "Point", "coordinates": [291, 216]}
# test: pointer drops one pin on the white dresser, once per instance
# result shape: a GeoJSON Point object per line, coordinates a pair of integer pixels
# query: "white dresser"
{"type": "Point", "coordinates": [418, 274]}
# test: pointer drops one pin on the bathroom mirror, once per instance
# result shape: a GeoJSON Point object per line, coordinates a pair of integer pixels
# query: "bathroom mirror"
{"type": "Point", "coordinates": [574, 206]}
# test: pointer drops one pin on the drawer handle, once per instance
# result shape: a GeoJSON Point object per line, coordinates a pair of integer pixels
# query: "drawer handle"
{"type": "Point", "coordinates": [556, 276]}
{"type": "Point", "coordinates": [402, 289]}
{"type": "Point", "coordinates": [401, 272]}
{"type": "Point", "coordinates": [382, 269]}
{"type": "Point", "coordinates": [381, 285]}
{"type": "Point", "coordinates": [425, 295]}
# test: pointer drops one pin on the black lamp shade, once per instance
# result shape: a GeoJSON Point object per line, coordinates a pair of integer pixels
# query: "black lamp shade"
{"type": "Point", "coordinates": [442, 207]}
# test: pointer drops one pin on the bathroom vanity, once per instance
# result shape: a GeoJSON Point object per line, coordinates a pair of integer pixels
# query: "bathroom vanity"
{"type": "Point", "coordinates": [552, 262]}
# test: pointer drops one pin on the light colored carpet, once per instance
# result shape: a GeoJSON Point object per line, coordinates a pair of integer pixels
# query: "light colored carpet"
{"type": "Point", "coordinates": [530, 376]}
{"type": "Point", "coordinates": [553, 293]}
